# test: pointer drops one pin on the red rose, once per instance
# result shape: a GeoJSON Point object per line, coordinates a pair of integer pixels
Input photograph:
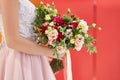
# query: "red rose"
{"type": "Point", "coordinates": [74, 25]}
{"type": "Point", "coordinates": [58, 20]}
{"type": "Point", "coordinates": [60, 36]}
{"type": "Point", "coordinates": [44, 29]}
{"type": "Point", "coordinates": [55, 27]}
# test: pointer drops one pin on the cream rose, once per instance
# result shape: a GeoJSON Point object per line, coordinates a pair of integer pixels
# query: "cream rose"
{"type": "Point", "coordinates": [83, 24]}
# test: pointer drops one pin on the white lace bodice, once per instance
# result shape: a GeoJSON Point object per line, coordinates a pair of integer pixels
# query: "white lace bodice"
{"type": "Point", "coordinates": [26, 17]}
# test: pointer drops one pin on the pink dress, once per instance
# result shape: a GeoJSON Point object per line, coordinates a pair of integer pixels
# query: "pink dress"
{"type": "Point", "coordinates": [15, 65]}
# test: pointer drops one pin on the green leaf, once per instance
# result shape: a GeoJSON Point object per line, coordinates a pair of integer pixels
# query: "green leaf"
{"type": "Point", "coordinates": [67, 19]}
{"type": "Point", "coordinates": [45, 40]}
{"type": "Point", "coordinates": [62, 29]}
{"type": "Point", "coordinates": [89, 39]}
{"type": "Point", "coordinates": [68, 11]}
{"type": "Point", "coordinates": [92, 49]}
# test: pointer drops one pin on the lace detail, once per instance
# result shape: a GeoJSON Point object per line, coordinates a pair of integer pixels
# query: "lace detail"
{"type": "Point", "coordinates": [26, 17]}
{"type": "Point", "coordinates": [3, 42]}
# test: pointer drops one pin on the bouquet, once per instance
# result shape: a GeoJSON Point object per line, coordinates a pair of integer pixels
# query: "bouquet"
{"type": "Point", "coordinates": [62, 32]}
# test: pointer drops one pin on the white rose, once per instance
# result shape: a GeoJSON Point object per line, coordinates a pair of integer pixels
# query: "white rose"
{"type": "Point", "coordinates": [69, 32]}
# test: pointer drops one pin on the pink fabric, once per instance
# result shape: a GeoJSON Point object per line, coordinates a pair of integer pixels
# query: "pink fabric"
{"type": "Point", "coordinates": [15, 65]}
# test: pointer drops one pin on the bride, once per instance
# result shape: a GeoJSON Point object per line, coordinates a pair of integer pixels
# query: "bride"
{"type": "Point", "coordinates": [20, 57]}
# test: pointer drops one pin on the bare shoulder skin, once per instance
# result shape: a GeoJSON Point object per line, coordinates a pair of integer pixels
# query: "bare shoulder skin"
{"type": "Point", "coordinates": [9, 9]}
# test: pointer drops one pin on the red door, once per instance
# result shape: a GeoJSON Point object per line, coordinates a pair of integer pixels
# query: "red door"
{"type": "Point", "coordinates": [108, 59]}
{"type": "Point", "coordinates": [106, 64]}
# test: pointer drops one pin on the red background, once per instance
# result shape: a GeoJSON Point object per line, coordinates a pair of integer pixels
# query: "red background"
{"type": "Point", "coordinates": [105, 65]}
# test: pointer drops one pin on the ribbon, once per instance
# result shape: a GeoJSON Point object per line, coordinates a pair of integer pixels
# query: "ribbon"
{"type": "Point", "coordinates": [67, 67]}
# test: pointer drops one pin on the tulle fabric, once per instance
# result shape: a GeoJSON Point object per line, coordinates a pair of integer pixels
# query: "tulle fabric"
{"type": "Point", "coordinates": [15, 65]}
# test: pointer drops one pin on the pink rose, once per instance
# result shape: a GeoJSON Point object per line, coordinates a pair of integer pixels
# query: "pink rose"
{"type": "Point", "coordinates": [52, 35]}
{"type": "Point", "coordinates": [78, 48]}
{"type": "Point", "coordinates": [79, 43]}
{"type": "Point", "coordinates": [51, 42]}
{"type": "Point", "coordinates": [61, 51]}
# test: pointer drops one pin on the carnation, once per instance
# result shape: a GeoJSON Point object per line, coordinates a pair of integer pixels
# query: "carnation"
{"type": "Point", "coordinates": [74, 24]}
{"type": "Point", "coordinates": [60, 36]}
{"type": "Point", "coordinates": [44, 29]}
{"type": "Point", "coordinates": [58, 20]}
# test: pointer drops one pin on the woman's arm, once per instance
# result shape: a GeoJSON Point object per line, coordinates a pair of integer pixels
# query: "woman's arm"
{"type": "Point", "coordinates": [13, 40]}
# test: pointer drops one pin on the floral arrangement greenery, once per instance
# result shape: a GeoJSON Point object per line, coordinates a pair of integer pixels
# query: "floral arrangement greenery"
{"type": "Point", "coordinates": [62, 32]}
